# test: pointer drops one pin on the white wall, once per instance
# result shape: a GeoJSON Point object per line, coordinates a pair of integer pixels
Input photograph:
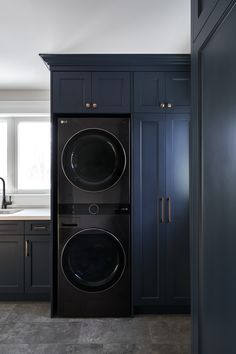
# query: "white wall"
{"type": "Point", "coordinates": [24, 101]}
{"type": "Point", "coordinates": [29, 27]}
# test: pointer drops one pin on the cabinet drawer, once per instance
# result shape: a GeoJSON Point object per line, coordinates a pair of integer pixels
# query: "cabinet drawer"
{"type": "Point", "coordinates": [11, 227]}
{"type": "Point", "coordinates": [37, 227]}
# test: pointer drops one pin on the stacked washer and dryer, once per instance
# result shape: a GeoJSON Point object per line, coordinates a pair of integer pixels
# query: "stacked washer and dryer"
{"type": "Point", "coordinates": [93, 217]}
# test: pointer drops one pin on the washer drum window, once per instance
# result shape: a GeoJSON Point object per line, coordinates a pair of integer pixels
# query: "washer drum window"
{"type": "Point", "coordinates": [93, 160]}
{"type": "Point", "coordinates": [93, 260]}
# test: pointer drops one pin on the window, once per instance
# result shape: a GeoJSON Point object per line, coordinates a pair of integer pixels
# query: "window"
{"type": "Point", "coordinates": [3, 149]}
{"type": "Point", "coordinates": [25, 154]}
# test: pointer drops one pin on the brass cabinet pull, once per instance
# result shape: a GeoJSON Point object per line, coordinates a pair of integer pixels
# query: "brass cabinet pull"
{"type": "Point", "coordinates": [94, 105]}
{"type": "Point", "coordinates": [169, 210]}
{"type": "Point", "coordinates": [88, 105]}
{"type": "Point", "coordinates": [27, 248]}
{"type": "Point", "coordinates": [162, 200]}
{"type": "Point", "coordinates": [162, 105]}
{"type": "Point", "coordinates": [169, 105]}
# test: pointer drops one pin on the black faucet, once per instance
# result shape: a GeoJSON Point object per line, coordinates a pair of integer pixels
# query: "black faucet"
{"type": "Point", "coordinates": [5, 203]}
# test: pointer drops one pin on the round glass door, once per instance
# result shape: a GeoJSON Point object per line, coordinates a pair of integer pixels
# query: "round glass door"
{"type": "Point", "coordinates": [93, 260]}
{"type": "Point", "coordinates": [93, 160]}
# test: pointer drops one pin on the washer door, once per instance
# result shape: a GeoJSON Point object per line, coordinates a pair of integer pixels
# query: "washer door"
{"type": "Point", "coordinates": [93, 260]}
{"type": "Point", "coordinates": [93, 160]}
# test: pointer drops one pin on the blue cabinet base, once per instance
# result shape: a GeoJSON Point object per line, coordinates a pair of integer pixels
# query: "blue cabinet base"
{"type": "Point", "coordinates": [138, 310]}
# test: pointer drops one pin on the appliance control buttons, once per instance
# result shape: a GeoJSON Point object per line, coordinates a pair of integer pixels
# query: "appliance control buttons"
{"type": "Point", "coordinates": [93, 209]}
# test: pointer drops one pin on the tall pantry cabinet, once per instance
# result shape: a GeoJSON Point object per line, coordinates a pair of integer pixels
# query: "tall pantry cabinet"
{"type": "Point", "coordinates": [161, 191]}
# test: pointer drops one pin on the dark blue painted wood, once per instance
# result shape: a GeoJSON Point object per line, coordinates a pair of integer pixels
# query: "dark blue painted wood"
{"type": "Point", "coordinates": [57, 62]}
{"type": "Point", "coordinates": [111, 92]}
{"type": "Point", "coordinates": [178, 92]}
{"type": "Point", "coordinates": [11, 264]}
{"type": "Point", "coordinates": [177, 227]}
{"type": "Point", "coordinates": [148, 188]}
{"type": "Point", "coordinates": [71, 92]}
{"type": "Point", "coordinates": [37, 264]}
{"type": "Point", "coordinates": [213, 224]}
{"type": "Point", "coordinates": [149, 91]}
{"type": "Point", "coordinates": [201, 10]}
{"type": "Point", "coordinates": [153, 88]}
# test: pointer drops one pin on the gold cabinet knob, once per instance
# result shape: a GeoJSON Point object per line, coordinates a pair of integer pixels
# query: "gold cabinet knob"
{"type": "Point", "coordinates": [169, 105]}
{"type": "Point", "coordinates": [94, 105]}
{"type": "Point", "coordinates": [88, 105]}
{"type": "Point", "coordinates": [162, 105]}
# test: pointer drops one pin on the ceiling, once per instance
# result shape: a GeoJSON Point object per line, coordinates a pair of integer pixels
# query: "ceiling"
{"type": "Point", "coordinates": [29, 27]}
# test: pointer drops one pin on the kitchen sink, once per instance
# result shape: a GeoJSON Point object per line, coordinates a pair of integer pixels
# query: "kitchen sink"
{"type": "Point", "coordinates": [9, 211]}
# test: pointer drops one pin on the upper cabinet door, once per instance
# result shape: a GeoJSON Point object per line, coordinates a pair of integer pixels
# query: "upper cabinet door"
{"type": "Point", "coordinates": [149, 92]}
{"type": "Point", "coordinates": [178, 92]}
{"type": "Point", "coordinates": [111, 92]}
{"type": "Point", "coordinates": [71, 92]}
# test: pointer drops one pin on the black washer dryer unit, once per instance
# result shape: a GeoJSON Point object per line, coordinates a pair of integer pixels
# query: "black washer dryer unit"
{"type": "Point", "coordinates": [94, 264]}
{"type": "Point", "coordinates": [94, 217]}
{"type": "Point", "coordinates": [93, 160]}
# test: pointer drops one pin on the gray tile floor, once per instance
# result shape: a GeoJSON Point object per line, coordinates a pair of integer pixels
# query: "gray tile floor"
{"type": "Point", "coordinates": [26, 327]}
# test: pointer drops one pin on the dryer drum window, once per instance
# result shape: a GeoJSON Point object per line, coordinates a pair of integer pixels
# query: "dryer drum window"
{"type": "Point", "coordinates": [93, 260]}
{"type": "Point", "coordinates": [93, 160]}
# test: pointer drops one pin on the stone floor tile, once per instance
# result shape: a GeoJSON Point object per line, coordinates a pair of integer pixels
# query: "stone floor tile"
{"type": "Point", "coordinates": [6, 309]}
{"type": "Point", "coordinates": [67, 349]}
{"type": "Point", "coordinates": [15, 349]}
{"type": "Point", "coordinates": [126, 330]}
{"type": "Point", "coordinates": [36, 333]}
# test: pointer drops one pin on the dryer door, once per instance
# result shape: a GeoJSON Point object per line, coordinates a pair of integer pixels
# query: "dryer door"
{"type": "Point", "coordinates": [93, 260]}
{"type": "Point", "coordinates": [93, 160]}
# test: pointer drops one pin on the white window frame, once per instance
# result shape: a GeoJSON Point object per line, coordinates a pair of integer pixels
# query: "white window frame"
{"type": "Point", "coordinates": [12, 144]}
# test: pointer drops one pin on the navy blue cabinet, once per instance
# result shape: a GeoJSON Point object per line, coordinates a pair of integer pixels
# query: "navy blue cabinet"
{"type": "Point", "coordinates": [24, 259]}
{"type": "Point", "coordinates": [149, 209]}
{"type": "Point", "coordinates": [71, 92]}
{"type": "Point", "coordinates": [37, 264]}
{"type": "Point", "coordinates": [37, 257]}
{"type": "Point", "coordinates": [177, 244]}
{"type": "Point", "coordinates": [154, 90]}
{"type": "Point", "coordinates": [160, 211]}
{"type": "Point", "coordinates": [91, 92]}
{"type": "Point", "coordinates": [11, 257]}
{"type": "Point", "coordinates": [159, 92]}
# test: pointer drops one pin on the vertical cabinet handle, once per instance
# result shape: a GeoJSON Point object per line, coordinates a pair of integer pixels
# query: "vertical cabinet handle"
{"type": "Point", "coordinates": [169, 210]}
{"type": "Point", "coordinates": [27, 248]}
{"type": "Point", "coordinates": [162, 201]}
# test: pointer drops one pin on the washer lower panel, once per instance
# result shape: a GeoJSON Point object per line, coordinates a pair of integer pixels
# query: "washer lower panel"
{"type": "Point", "coordinates": [94, 266]}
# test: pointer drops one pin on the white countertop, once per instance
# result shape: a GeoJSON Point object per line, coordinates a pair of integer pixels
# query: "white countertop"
{"type": "Point", "coordinates": [28, 214]}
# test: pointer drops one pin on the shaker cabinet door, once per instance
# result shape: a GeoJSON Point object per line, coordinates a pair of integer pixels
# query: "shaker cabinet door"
{"type": "Point", "coordinates": [149, 92]}
{"type": "Point", "coordinates": [11, 264]}
{"type": "Point", "coordinates": [148, 209]}
{"type": "Point", "coordinates": [178, 92]}
{"type": "Point", "coordinates": [177, 210]}
{"type": "Point", "coordinates": [111, 92]}
{"type": "Point", "coordinates": [71, 92]}
{"type": "Point", "coordinates": [37, 264]}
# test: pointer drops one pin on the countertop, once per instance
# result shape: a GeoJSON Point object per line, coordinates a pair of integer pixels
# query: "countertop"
{"type": "Point", "coordinates": [28, 214]}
